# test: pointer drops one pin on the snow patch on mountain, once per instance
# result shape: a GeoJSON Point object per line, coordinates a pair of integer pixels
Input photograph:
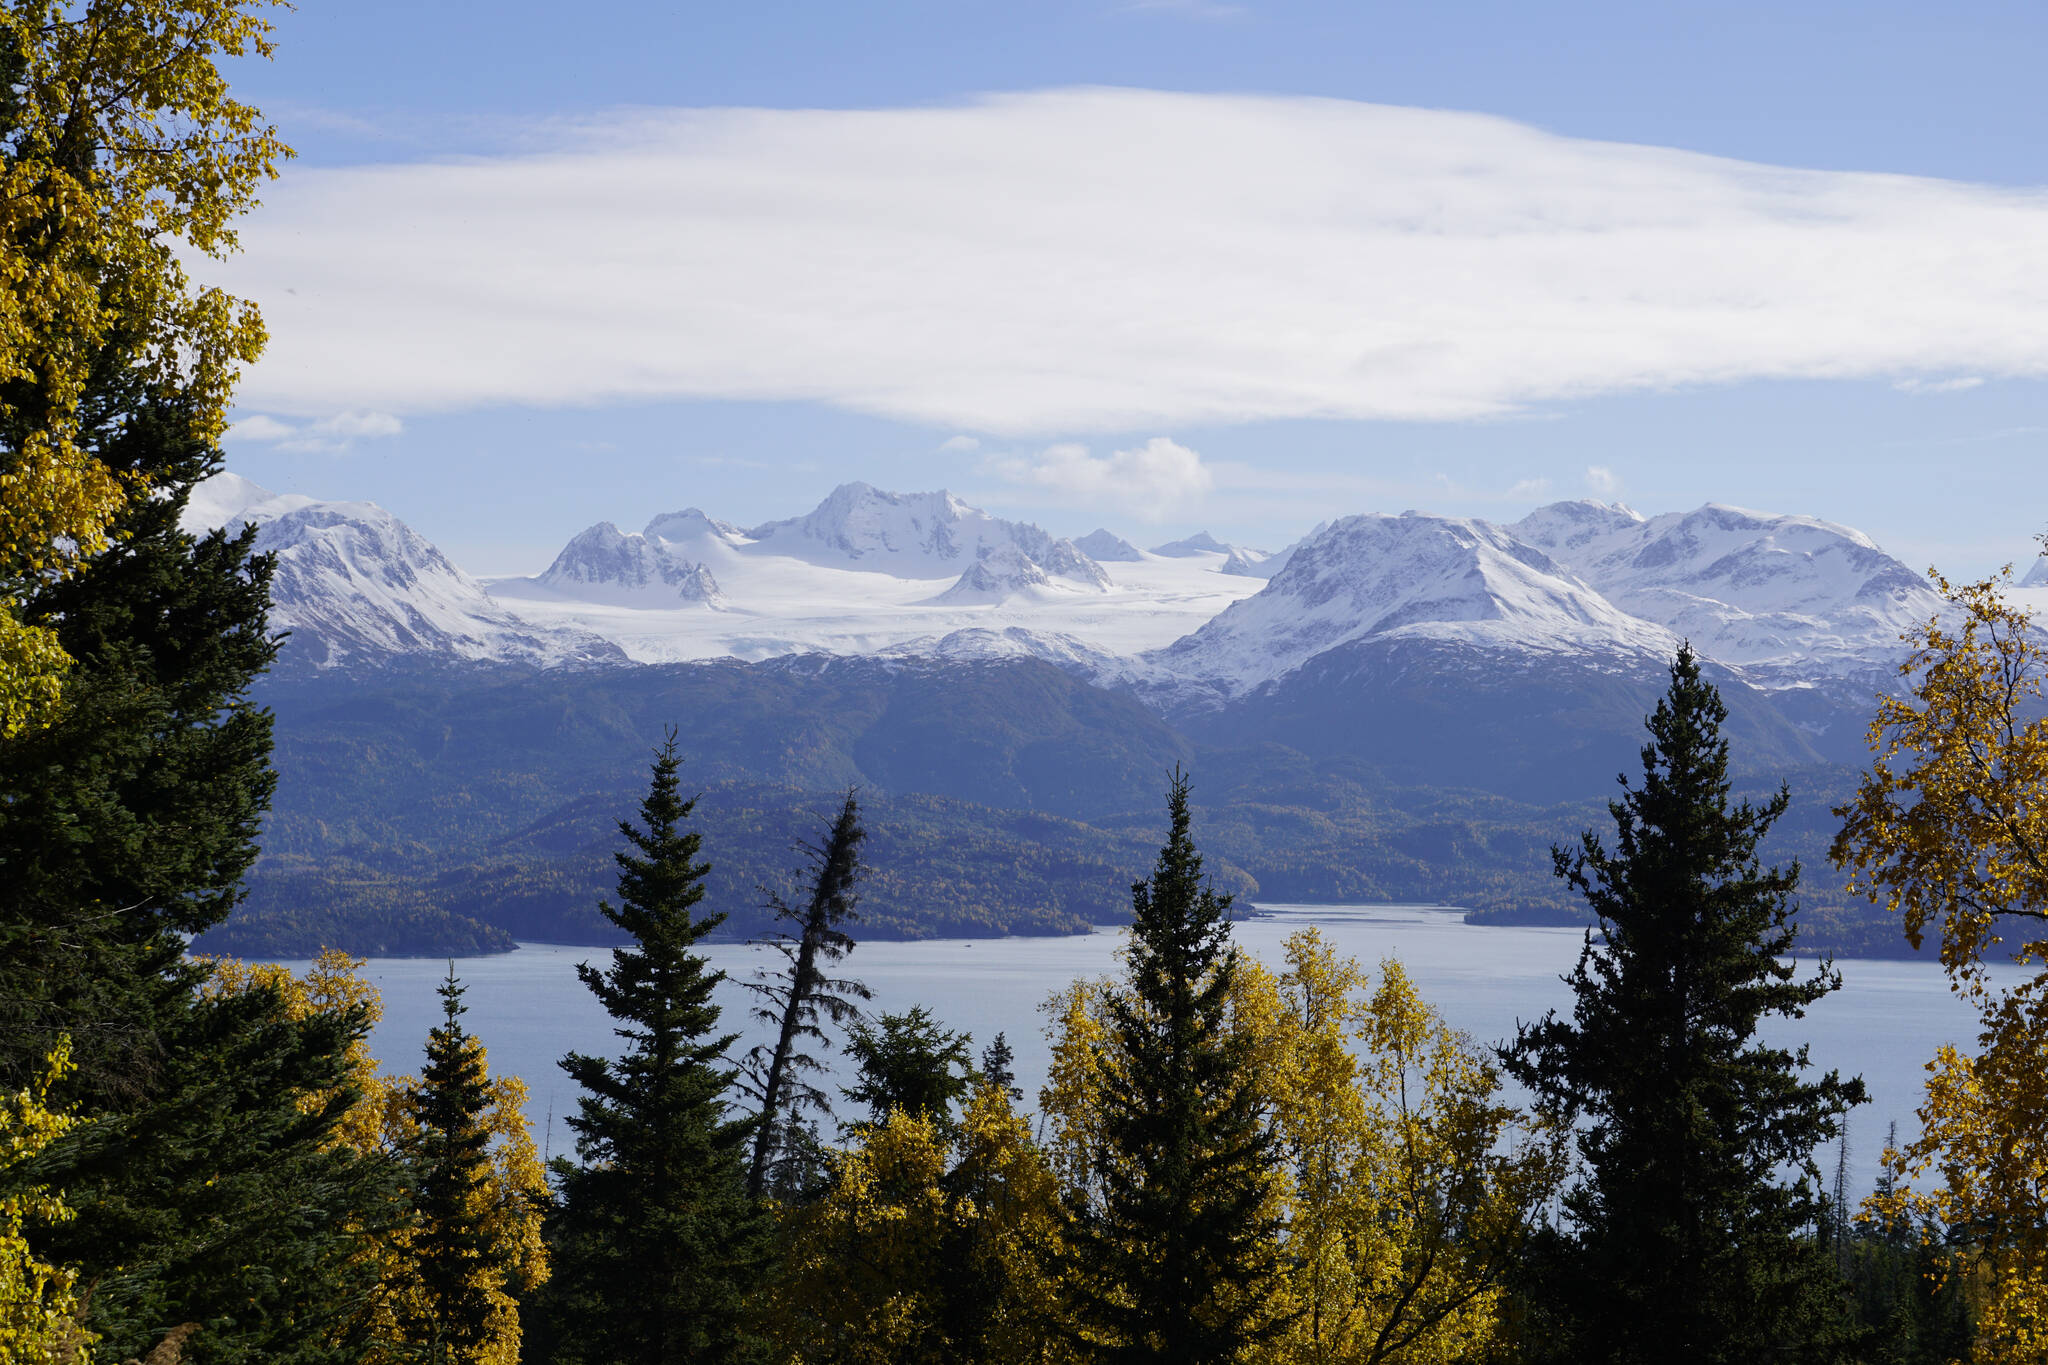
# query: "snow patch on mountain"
{"type": "Point", "coordinates": [2037, 577]}
{"type": "Point", "coordinates": [1015, 642]}
{"type": "Point", "coordinates": [1785, 600]}
{"type": "Point", "coordinates": [355, 584]}
{"type": "Point", "coordinates": [1412, 576]}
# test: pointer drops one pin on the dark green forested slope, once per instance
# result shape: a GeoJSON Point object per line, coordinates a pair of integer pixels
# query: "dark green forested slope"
{"type": "Point", "coordinates": [451, 810]}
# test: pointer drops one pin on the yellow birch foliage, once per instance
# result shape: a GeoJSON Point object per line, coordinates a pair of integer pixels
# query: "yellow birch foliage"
{"type": "Point", "coordinates": [1949, 829]}
{"type": "Point", "coordinates": [925, 1250]}
{"type": "Point", "coordinates": [513, 1198]}
{"type": "Point", "coordinates": [1407, 1180]}
{"type": "Point", "coordinates": [38, 1310]}
{"type": "Point", "coordinates": [1413, 1181]}
{"type": "Point", "coordinates": [863, 1267]}
{"type": "Point", "coordinates": [121, 146]}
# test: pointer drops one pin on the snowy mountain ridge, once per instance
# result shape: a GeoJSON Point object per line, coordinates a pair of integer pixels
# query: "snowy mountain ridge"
{"type": "Point", "coordinates": [355, 584]}
{"type": "Point", "coordinates": [1376, 576]}
{"type": "Point", "coordinates": [1784, 601]}
{"type": "Point", "coordinates": [1782, 598]}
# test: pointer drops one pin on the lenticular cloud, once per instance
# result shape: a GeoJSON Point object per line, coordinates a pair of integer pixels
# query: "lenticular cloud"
{"type": "Point", "coordinates": [1097, 259]}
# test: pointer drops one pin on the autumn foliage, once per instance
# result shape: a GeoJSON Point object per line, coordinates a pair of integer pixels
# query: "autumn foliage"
{"type": "Point", "coordinates": [119, 146]}
{"type": "Point", "coordinates": [1949, 829]}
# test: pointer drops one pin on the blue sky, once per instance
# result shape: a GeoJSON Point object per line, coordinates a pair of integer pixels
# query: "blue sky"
{"type": "Point", "coordinates": [1034, 359]}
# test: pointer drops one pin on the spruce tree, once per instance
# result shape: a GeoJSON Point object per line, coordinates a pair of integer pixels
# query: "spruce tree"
{"type": "Point", "coordinates": [657, 1245]}
{"type": "Point", "coordinates": [800, 1000]}
{"type": "Point", "coordinates": [1178, 1247]}
{"type": "Point", "coordinates": [205, 1187]}
{"type": "Point", "coordinates": [1684, 1244]}
{"type": "Point", "coordinates": [127, 826]}
{"type": "Point", "coordinates": [998, 1069]}
{"type": "Point", "coordinates": [910, 1062]}
{"type": "Point", "coordinates": [446, 1156]}
{"type": "Point", "coordinates": [227, 1201]}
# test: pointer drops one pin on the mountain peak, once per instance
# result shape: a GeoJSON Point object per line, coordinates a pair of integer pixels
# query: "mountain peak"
{"type": "Point", "coordinates": [354, 583]}
{"type": "Point", "coordinates": [1200, 543]}
{"type": "Point", "coordinates": [644, 570]}
{"type": "Point", "coordinates": [1377, 577]}
{"type": "Point", "coordinates": [690, 524]}
{"type": "Point", "coordinates": [1107, 547]}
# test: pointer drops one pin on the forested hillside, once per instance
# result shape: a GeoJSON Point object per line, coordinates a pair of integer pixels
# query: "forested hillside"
{"type": "Point", "coordinates": [454, 809]}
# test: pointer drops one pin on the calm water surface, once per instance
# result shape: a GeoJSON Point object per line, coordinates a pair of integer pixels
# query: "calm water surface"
{"type": "Point", "coordinates": [530, 1009]}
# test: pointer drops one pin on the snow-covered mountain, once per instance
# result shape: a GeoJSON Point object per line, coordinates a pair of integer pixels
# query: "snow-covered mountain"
{"type": "Point", "coordinates": [354, 584]}
{"type": "Point", "coordinates": [1249, 563]}
{"type": "Point", "coordinates": [1780, 601]}
{"type": "Point", "coordinates": [918, 535]}
{"type": "Point", "coordinates": [1786, 600]}
{"type": "Point", "coordinates": [2037, 577]}
{"type": "Point", "coordinates": [1107, 547]}
{"type": "Point", "coordinates": [865, 572]}
{"type": "Point", "coordinates": [1200, 543]}
{"type": "Point", "coordinates": [1407, 577]}
{"type": "Point", "coordinates": [645, 569]}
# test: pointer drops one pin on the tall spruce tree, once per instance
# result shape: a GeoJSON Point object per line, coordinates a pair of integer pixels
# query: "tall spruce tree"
{"type": "Point", "coordinates": [1684, 1243]}
{"type": "Point", "coordinates": [657, 1245]}
{"type": "Point", "coordinates": [207, 1188]}
{"type": "Point", "coordinates": [799, 1000]}
{"type": "Point", "coordinates": [128, 824]}
{"type": "Point", "coordinates": [1179, 1253]}
{"type": "Point", "coordinates": [447, 1165]}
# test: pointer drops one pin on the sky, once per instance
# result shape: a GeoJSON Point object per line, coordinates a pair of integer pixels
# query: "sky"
{"type": "Point", "coordinates": [1158, 266]}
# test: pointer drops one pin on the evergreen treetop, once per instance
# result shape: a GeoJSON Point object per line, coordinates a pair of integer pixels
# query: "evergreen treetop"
{"type": "Point", "coordinates": [910, 1062]}
{"type": "Point", "coordinates": [657, 1245]}
{"type": "Point", "coordinates": [1179, 1241]}
{"type": "Point", "coordinates": [449, 1167]}
{"type": "Point", "coordinates": [1686, 1247]}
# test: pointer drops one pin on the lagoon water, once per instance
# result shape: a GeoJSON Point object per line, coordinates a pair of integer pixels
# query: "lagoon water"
{"type": "Point", "coordinates": [529, 1007]}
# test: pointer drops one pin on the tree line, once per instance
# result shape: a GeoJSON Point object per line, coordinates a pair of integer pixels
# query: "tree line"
{"type": "Point", "coordinates": [1229, 1161]}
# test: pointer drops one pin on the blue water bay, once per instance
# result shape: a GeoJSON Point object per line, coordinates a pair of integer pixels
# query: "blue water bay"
{"type": "Point", "coordinates": [530, 1009]}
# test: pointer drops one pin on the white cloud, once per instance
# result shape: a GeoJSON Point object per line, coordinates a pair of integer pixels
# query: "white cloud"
{"type": "Point", "coordinates": [261, 429]}
{"type": "Point", "coordinates": [959, 445]}
{"type": "Point", "coordinates": [330, 434]}
{"type": "Point", "coordinates": [1529, 490]}
{"type": "Point", "coordinates": [1958, 385]}
{"type": "Point", "coordinates": [1602, 481]}
{"type": "Point", "coordinates": [1093, 259]}
{"type": "Point", "coordinates": [1153, 481]}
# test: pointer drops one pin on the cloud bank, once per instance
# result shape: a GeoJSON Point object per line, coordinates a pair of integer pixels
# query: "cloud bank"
{"type": "Point", "coordinates": [1099, 259]}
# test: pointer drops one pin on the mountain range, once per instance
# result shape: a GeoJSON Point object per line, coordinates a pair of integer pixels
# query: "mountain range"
{"type": "Point", "coordinates": [1781, 602]}
{"type": "Point", "coordinates": [1394, 706]}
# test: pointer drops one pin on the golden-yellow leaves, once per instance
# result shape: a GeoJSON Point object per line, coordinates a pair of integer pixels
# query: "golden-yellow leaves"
{"type": "Point", "coordinates": [1407, 1180]}
{"type": "Point", "coordinates": [1950, 826]}
{"type": "Point", "coordinates": [123, 145]}
{"type": "Point", "coordinates": [1950, 829]}
{"type": "Point", "coordinates": [38, 1310]}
